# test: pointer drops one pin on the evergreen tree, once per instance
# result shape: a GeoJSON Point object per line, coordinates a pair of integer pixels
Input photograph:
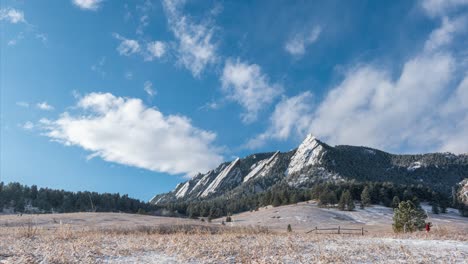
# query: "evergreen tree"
{"type": "Point", "coordinates": [276, 201]}
{"type": "Point", "coordinates": [350, 204]}
{"type": "Point", "coordinates": [346, 201]}
{"type": "Point", "coordinates": [327, 198]}
{"type": "Point", "coordinates": [408, 218]}
{"type": "Point", "coordinates": [342, 202]}
{"type": "Point", "coordinates": [365, 197]}
{"type": "Point", "coordinates": [395, 202]}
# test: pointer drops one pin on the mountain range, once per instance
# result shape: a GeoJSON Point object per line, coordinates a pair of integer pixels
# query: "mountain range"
{"type": "Point", "coordinates": [317, 162]}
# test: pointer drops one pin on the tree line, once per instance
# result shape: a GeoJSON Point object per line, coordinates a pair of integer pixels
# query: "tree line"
{"type": "Point", "coordinates": [25, 199]}
{"type": "Point", "coordinates": [340, 195]}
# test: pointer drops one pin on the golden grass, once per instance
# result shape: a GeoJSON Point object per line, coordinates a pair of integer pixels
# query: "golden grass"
{"type": "Point", "coordinates": [219, 244]}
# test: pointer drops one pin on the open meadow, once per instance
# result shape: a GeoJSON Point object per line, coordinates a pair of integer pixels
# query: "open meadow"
{"type": "Point", "coordinates": [252, 237]}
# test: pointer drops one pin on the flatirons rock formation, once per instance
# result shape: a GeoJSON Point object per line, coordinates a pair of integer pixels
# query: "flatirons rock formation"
{"type": "Point", "coordinates": [314, 161]}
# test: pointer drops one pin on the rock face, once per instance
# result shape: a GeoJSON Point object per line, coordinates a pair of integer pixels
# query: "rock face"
{"type": "Point", "coordinates": [314, 161]}
{"type": "Point", "coordinates": [309, 153]}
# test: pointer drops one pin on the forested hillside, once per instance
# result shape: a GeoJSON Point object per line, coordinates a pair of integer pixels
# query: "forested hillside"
{"type": "Point", "coordinates": [15, 197]}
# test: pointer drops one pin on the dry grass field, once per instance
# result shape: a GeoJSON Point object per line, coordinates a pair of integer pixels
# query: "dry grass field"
{"type": "Point", "coordinates": [124, 238]}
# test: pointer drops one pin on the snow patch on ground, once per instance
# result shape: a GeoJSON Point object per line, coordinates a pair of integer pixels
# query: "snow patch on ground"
{"type": "Point", "coordinates": [144, 258]}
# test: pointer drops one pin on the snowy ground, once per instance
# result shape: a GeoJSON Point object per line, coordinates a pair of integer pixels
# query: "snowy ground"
{"type": "Point", "coordinates": [124, 238]}
{"type": "Point", "coordinates": [307, 215]}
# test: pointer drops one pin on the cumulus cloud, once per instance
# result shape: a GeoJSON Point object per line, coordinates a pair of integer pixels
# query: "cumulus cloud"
{"type": "Point", "coordinates": [127, 47]}
{"type": "Point", "coordinates": [44, 106]}
{"type": "Point", "coordinates": [88, 4]}
{"type": "Point", "coordinates": [148, 87]}
{"type": "Point", "coordinates": [156, 49]}
{"type": "Point", "coordinates": [195, 47]}
{"type": "Point", "coordinates": [298, 43]}
{"type": "Point", "coordinates": [12, 15]}
{"type": "Point", "coordinates": [422, 108]}
{"type": "Point", "coordinates": [125, 131]}
{"type": "Point", "coordinates": [247, 85]}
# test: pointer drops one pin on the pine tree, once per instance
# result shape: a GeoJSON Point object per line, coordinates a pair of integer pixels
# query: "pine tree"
{"type": "Point", "coordinates": [395, 202]}
{"type": "Point", "coordinates": [408, 218]}
{"type": "Point", "coordinates": [365, 197]}
{"type": "Point", "coordinates": [276, 201]}
{"type": "Point", "coordinates": [350, 204]}
{"type": "Point", "coordinates": [327, 198]}
{"type": "Point", "coordinates": [342, 202]}
{"type": "Point", "coordinates": [346, 201]}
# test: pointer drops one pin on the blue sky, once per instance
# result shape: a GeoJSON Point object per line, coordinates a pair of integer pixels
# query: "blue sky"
{"type": "Point", "coordinates": [136, 96]}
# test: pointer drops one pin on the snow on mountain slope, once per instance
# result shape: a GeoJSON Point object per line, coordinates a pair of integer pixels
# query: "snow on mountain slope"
{"type": "Point", "coordinates": [308, 153]}
{"type": "Point", "coordinates": [261, 167]}
{"type": "Point", "coordinates": [415, 165]}
{"type": "Point", "coordinates": [202, 182]}
{"type": "Point", "coordinates": [183, 190]}
{"type": "Point", "coordinates": [219, 179]}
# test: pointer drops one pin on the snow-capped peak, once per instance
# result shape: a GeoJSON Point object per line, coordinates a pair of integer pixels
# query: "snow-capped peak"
{"type": "Point", "coordinates": [308, 153]}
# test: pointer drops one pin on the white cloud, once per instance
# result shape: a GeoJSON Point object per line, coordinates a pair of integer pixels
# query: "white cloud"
{"type": "Point", "coordinates": [88, 4]}
{"type": "Point", "coordinates": [444, 35]}
{"type": "Point", "coordinates": [27, 125]}
{"type": "Point", "coordinates": [247, 85]}
{"type": "Point", "coordinates": [291, 116]}
{"type": "Point", "coordinates": [144, 10]}
{"type": "Point", "coordinates": [12, 15]}
{"type": "Point", "coordinates": [44, 106]}
{"type": "Point", "coordinates": [422, 108]}
{"type": "Point", "coordinates": [148, 87]}
{"type": "Point", "coordinates": [195, 46]}
{"type": "Point", "coordinates": [15, 16]}
{"type": "Point", "coordinates": [369, 108]}
{"type": "Point", "coordinates": [127, 47]}
{"type": "Point", "coordinates": [442, 7]}
{"type": "Point", "coordinates": [22, 104]}
{"type": "Point", "coordinates": [297, 44]}
{"type": "Point", "coordinates": [125, 131]}
{"type": "Point", "coordinates": [156, 49]}
{"type": "Point", "coordinates": [456, 108]}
